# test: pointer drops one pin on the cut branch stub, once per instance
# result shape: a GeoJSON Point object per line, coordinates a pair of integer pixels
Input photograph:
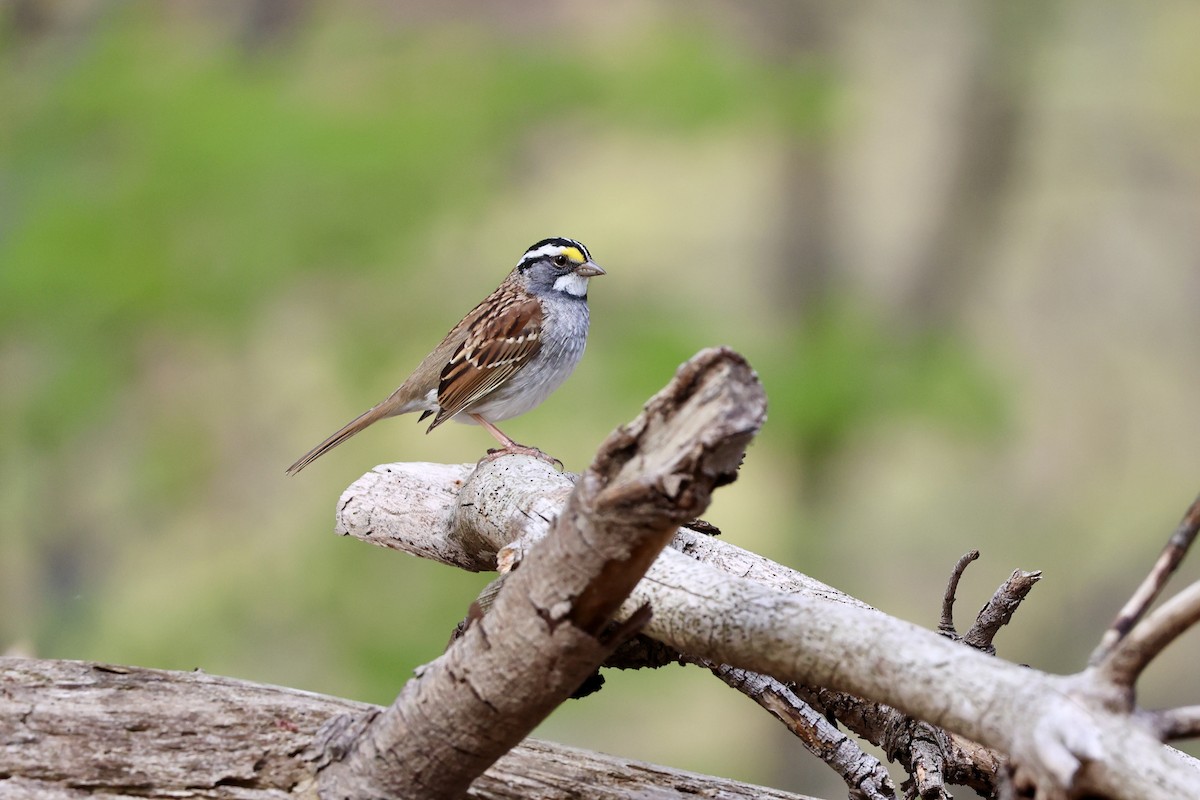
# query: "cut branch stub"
{"type": "Point", "coordinates": [998, 611]}
{"type": "Point", "coordinates": [660, 469]}
{"type": "Point", "coordinates": [543, 634]}
{"type": "Point", "coordinates": [700, 424]}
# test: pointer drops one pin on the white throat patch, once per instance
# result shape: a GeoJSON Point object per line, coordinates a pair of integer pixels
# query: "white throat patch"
{"type": "Point", "coordinates": [572, 284]}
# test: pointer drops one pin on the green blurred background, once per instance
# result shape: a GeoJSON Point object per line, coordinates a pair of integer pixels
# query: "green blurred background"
{"type": "Point", "coordinates": [959, 241]}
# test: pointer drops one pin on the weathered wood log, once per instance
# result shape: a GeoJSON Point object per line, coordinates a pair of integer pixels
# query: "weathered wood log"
{"type": "Point", "coordinates": [73, 729]}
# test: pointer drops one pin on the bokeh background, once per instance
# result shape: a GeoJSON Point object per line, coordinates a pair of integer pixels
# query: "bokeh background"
{"type": "Point", "coordinates": [959, 241]}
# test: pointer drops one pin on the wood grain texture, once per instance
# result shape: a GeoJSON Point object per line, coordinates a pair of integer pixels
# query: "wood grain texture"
{"type": "Point", "coordinates": [74, 729]}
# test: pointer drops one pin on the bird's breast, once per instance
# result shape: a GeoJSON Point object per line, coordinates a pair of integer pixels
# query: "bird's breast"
{"type": "Point", "coordinates": [564, 336]}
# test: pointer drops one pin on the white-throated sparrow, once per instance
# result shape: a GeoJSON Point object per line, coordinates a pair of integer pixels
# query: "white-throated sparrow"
{"type": "Point", "coordinates": [505, 357]}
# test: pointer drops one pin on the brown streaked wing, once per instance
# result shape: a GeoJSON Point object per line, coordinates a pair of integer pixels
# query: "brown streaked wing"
{"type": "Point", "coordinates": [489, 356]}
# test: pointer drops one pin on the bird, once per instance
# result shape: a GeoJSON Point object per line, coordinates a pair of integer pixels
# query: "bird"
{"type": "Point", "coordinates": [504, 357]}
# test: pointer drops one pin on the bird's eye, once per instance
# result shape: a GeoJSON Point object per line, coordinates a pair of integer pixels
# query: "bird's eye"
{"type": "Point", "coordinates": [560, 261]}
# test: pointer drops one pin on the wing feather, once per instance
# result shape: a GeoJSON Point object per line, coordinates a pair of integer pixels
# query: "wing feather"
{"type": "Point", "coordinates": [489, 356]}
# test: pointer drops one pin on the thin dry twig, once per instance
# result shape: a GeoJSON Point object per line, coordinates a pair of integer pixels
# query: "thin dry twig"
{"type": "Point", "coordinates": [865, 776]}
{"type": "Point", "coordinates": [946, 625]}
{"type": "Point", "coordinates": [931, 756]}
{"type": "Point", "coordinates": [995, 614]}
{"type": "Point", "coordinates": [1150, 588]}
{"type": "Point", "coordinates": [1125, 662]}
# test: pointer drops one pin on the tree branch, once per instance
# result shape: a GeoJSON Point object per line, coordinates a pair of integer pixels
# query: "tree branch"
{"type": "Point", "coordinates": [1064, 736]}
{"type": "Point", "coordinates": [1174, 724]}
{"type": "Point", "coordinates": [1150, 588]}
{"type": "Point", "coordinates": [866, 778]}
{"type": "Point", "coordinates": [946, 624]}
{"type": "Point", "coordinates": [931, 757]}
{"type": "Point", "coordinates": [546, 629]}
{"type": "Point", "coordinates": [1149, 637]}
{"type": "Point", "coordinates": [768, 619]}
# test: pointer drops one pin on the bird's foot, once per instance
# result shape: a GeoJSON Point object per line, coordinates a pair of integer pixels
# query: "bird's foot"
{"type": "Point", "coordinates": [523, 450]}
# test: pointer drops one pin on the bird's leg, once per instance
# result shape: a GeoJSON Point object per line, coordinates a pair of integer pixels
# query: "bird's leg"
{"type": "Point", "coordinates": [508, 443]}
{"type": "Point", "coordinates": [509, 446]}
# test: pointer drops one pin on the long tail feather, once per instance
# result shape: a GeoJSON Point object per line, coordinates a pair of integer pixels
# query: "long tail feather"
{"type": "Point", "coordinates": [349, 429]}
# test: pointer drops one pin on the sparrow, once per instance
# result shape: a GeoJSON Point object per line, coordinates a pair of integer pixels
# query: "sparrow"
{"type": "Point", "coordinates": [503, 358]}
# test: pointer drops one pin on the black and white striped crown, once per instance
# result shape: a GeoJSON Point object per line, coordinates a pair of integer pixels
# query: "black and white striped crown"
{"type": "Point", "coordinates": [549, 248]}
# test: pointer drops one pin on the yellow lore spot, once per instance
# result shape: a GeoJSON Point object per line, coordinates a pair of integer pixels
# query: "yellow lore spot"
{"type": "Point", "coordinates": [573, 254]}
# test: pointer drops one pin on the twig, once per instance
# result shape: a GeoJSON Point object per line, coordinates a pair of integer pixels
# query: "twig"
{"type": "Point", "coordinates": [1125, 662]}
{"type": "Point", "coordinates": [864, 775]}
{"type": "Point", "coordinates": [959, 761]}
{"type": "Point", "coordinates": [999, 610]}
{"type": "Point", "coordinates": [946, 625]}
{"type": "Point", "coordinates": [1150, 588]}
{"type": "Point", "coordinates": [933, 757]}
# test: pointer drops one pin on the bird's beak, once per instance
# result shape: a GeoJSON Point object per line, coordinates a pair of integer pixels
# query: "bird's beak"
{"type": "Point", "coordinates": [589, 270]}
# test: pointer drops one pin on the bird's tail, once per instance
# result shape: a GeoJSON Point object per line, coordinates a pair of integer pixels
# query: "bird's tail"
{"type": "Point", "coordinates": [345, 432]}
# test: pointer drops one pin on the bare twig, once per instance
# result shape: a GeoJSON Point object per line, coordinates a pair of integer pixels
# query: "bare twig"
{"type": "Point", "coordinates": [946, 625]}
{"type": "Point", "coordinates": [932, 757]}
{"type": "Point", "coordinates": [1125, 662]}
{"type": "Point", "coordinates": [960, 761]}
{"type": "Point", "coordinates": [998, 611]}
{"type": "Point", "coordinates": [864, 775]}
{"type": "Point", "coordinates": [1150, 588]}
{"type": "Point", "coordinates": [995, 614]}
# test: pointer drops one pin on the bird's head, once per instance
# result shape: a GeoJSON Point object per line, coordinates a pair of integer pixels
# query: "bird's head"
{"type": "Point", "coordinates": [559, 265]}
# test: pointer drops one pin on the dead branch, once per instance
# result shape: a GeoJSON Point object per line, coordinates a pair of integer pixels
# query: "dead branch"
{"type": "Point", "coordinates": [1146, 593]}
{"type": "Point", "coordinates": [741, 610]}
{"type": "Point", "coordinates": [70, 730]}
{"type": "Point", "coordinates": [1064, 736]}
{"type": "Point", "coordinates": [946, 624]}
{"type": "Point", "coordinates": [546, 629]}
{"type": "Point", "coordinates": [1133, 653]}
{"type": "Point", "coordinates": [995, 614]}
{"type": "Point", "coordinates": [932, 758]}
{"type": "Point", "coordinates": [999, 609]}
{"type": "Point", "coordinates": [866, 778]}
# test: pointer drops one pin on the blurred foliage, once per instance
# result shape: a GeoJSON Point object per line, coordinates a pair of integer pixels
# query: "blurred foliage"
{"type": "Point", "coordinates": [843, 372]}
{"type": "Point", "coordinates": [160, 176]}
{"type": "Point", "coordinates": [164, 183]}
